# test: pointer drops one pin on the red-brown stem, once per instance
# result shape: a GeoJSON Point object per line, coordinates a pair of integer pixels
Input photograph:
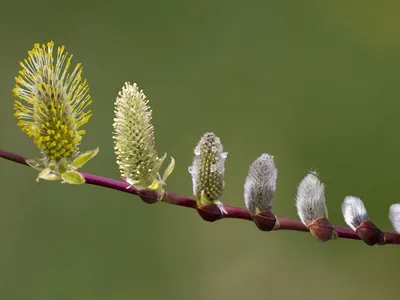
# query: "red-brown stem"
{"type": "Point", "coordinates": [232, 212]}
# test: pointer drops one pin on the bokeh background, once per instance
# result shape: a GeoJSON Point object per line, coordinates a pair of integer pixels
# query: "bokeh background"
{"type": "Point", "coordinates": [315, 83]}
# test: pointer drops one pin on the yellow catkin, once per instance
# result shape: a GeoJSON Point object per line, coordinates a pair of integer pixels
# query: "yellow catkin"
{"type": "Point", "coordinates": [52, 101]}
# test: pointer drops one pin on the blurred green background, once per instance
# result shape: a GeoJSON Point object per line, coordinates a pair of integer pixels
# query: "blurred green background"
{"type": "Point", "coordinates": [315, 83]}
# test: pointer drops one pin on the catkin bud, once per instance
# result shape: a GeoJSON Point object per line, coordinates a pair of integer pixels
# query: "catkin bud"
{"type": "Point", "coordinates": [354, 212]}
{"type": "Point", "coordinates": [355, 216]}
{"type": "Point", "coordinates": [310, 199]}
{"type": "Point", "coordinates": [394, 216]}
{"type": "Point", "coordinates": [311, 207]}
{"type": "Point", "coordinates": [208, 169]}
{"type": "Point", "coordinates": [260, 185]}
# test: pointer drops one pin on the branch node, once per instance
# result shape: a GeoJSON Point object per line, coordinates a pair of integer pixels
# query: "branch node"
{"type": "Point", "coordinates": [149, 196]}
{"type": "Point", "coordinates": [322, 229]}
{"type": "Point", "coordinates": [210, 213]}
{"type": "Point", "coordinates": [370, 234]}
{"type": "Point", "coordinates": [265, 220]}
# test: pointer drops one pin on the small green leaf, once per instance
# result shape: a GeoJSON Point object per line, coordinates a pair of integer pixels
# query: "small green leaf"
{"type": "Point", "coordinates": [52, 165]}
{"type": "Point", "coordinates": [72, 177]}
{"type": "Point", "coordinates": [52, 177]}
{"type": "Point", "coordinates": [35, 163]}
{"type": "Point", "coordinates": [169, 169]}
{"type": "Point", "coordinates": [47, 174]}
{"type": "Point", "coordinates": [43, 174]}
{"type": "Point", "coordinates": [131, 183]}
{"type": "Point", "coordinates": [155, 185]}
{"type": "Point", "coordinates": [159, 162]}
{"type": "Point", "coordinates": [63, 165]}
{"type": "Point", "coordinates": [84, 158]}
{"type": "Point", "coordinates": [203, 199]}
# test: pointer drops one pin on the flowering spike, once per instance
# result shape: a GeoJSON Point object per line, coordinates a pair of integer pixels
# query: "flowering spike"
{"type": "Point", "coordinates": [208, 170]}
{"type": "Point", "coordinates": [394, 216]}
{"type": "Point", "coordinates": [354, 212]}
{"type": "Point", "coordinates": [137, 157]}
{"type": "Point", "coordinates": [260, 185]}
{"type": "Point", "coordinates": [311, 207]}
{"type": "Point", "coordinates": [52, 106]}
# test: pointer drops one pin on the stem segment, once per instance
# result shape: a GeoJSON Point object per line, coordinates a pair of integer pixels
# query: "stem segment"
{"type": "Point", "coordinates": [232, 212]}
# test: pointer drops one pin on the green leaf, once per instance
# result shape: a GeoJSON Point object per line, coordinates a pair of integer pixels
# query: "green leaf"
{"type": "Point", "coordinates": [157, 187]}
{"type": "Point", "coordinates": [156, 184]}
{"type": "Point", "coordinates": [159, 162]}
{"type": "Point", "coordinates": [35, 163]}
{"type": "Point", "coordinates": [63, 165]}
{"type": "Point", "coordinates": [132, 182]}
{"type": "Point", "coordinates": [72, 177]}
{"type": "Point", "coordinates": [169, 169]}
{"type": "Point", "coordinates": [84, 158]}
{"type": "Point", "coordinates": [47, 174]}
{"type": "Point", "coordinates": [203, 199]}
{"type": "Point", "coordinates": [53, 165]}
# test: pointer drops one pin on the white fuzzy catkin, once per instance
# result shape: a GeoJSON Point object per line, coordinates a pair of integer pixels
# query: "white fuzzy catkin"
{"type": "Point", "coordinates": [354, 212]}
{"type": "Point", "coordinates": [310, 199]}
{"type": "Point", "coordinates": [260, 185]}
{"type": "Point", "coordinates": [394, 216]}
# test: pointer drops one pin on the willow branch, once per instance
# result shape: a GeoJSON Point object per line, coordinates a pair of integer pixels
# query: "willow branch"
{"type": "Point", "coordinates": [211, 214]}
